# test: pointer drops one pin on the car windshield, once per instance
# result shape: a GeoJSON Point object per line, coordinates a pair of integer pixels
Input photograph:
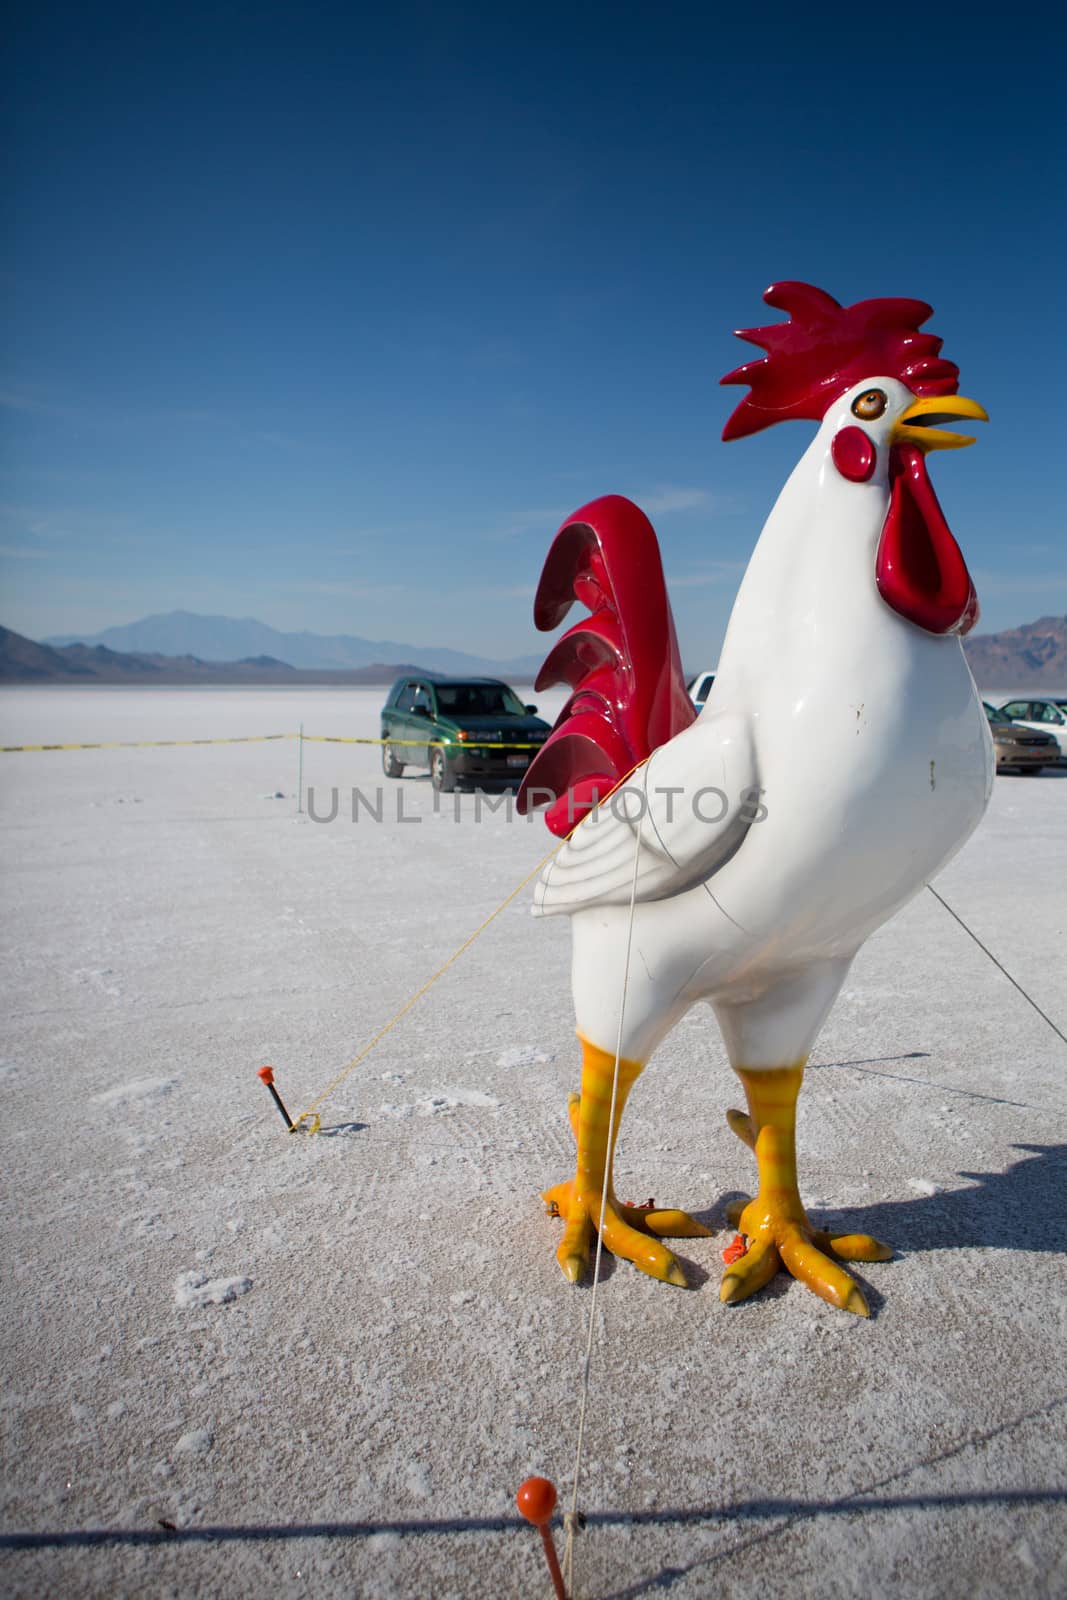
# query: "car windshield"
{"type": "Point", "coordinates": [996, 715]}
{"type": "Point", "coordinates": [477, 700]}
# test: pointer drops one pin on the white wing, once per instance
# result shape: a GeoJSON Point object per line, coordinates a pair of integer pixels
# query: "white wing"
{"type": "Point", "coordinates": [692, 801]}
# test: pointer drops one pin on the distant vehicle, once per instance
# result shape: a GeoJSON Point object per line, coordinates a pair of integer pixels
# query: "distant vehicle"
{"type": "Point", "coordinates": [700, 687]}
{"type": "Point", "coordinates": [1046, 715]}
{"type": "Point", "coordinates": [455, 727]}
{"type": "Point", "coordinates": [1019, 748]}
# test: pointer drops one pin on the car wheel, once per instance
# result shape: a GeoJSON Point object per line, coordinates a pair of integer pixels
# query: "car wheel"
{"type": "Point", "coordinates": [1030, 772]}
{"type": "Point", "coordinates": [441, 775]}
{"type": "Point", "coordinates": [390, 765]}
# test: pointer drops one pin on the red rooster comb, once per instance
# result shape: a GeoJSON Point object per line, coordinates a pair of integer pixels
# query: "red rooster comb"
{"type": "Point", "coordinates": [826, 348]}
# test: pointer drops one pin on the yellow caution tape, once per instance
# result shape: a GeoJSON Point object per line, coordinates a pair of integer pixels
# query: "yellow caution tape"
{"type": "Point", "coordinates": [261, 738]}
{"type": "Point", "coordinates": [420, 744]}
{"type": "Point", "coordinates": [144, 744]}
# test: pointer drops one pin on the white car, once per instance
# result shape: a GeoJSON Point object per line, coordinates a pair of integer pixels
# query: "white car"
{"type": "Point", "coordinates": [1048, 715]}
{"type": "Point", "coordinates": [699, 688]}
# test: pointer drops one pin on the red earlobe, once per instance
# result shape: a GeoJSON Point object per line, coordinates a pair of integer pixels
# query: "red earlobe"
{"type": "Point", "coordinates": [854, 454]}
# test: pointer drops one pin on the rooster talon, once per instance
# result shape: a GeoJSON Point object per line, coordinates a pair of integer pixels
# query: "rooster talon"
{"type": "Point", "coordinates": [646, 1253]}
{"type": "Point", "coordinates": [740, 1123]}
{"type": "Point", "coordinates": [572, 1267]}
{"type": "Point", "coordinates": [675, 1225]}
{"type": "Point", "coordinates": [852, 1246]}
{"type": "Point", "coordinates": [860, 1247]}
{"type": "Point", "coordinates": [754, 1269]}
{"type": "Point", "coordinates": [802, 1257]}
{"type": "Point", "coordinates": [575, 1246]}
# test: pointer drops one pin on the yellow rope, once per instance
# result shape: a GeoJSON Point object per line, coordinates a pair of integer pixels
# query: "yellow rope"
{"type": "Point", "coordinates": [365, 1052]}
{"type": "Point", "coordinates": [427, 985]}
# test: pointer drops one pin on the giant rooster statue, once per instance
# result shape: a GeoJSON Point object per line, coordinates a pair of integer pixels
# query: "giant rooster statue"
{"type": "Point", "coordinates": [841, 760]}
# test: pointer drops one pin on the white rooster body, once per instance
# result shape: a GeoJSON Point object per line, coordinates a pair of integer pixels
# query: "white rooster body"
{"type": "Point", "coordinates": [868, 744]}
{"type": "Point", "coordinates": [841, 760]}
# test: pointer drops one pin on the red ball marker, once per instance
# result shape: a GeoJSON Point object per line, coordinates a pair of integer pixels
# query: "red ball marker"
{"type": "Point", "coordinates": [536, 1500]}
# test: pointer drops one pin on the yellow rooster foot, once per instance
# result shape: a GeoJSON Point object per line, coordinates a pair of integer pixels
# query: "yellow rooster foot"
{"type": "Point", "coordinates": [630, 1231]}
{"type": "Point", "coordinates": [778, 1233]}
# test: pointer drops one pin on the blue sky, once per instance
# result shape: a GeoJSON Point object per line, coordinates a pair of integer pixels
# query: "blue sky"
{"type": "Point", "coordinates": [330, 318]}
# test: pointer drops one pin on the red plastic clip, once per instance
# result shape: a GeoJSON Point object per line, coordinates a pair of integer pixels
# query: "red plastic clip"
{"type": "Point", "coordinates": [735, 1249]}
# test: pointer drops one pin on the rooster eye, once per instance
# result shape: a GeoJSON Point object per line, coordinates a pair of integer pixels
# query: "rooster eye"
{"type": "Point", "coordinates": [869, 405]}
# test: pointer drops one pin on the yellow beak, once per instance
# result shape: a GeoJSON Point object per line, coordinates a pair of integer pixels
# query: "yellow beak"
{"type": "Point", "coordinates": [932, 412]}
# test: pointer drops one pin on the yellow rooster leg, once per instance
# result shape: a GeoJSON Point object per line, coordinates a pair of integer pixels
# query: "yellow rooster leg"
{"type": "Point", "coordinates": [632, 1232]}
{"type": "Point", "coordinates": [775, 1222]}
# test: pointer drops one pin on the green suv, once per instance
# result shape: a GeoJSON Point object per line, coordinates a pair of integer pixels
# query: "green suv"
{"type": "Point", "coordinates": [472, 728]}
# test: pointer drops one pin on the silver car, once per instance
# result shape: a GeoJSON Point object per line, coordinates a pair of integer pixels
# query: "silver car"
{"type": "Point", "coordinates": [1046, 714]}
{"type": "Point", "coordinates": [1019, 749]}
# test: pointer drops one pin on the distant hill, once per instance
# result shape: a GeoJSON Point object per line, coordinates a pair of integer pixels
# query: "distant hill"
{"type": "Point", "coordinates": [24, 661]}
{"type": "Point", "coordinates": [185, 633]}
{"type": "Point", "coordinates": [1033, 656]}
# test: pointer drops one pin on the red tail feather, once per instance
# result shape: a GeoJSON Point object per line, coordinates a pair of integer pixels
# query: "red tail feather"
{"type": "Point", "coordinates": [622, 661]}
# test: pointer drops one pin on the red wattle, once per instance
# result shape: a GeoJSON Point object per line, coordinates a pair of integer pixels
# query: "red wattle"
{"type": "Point", "coordinates": [920, 568]}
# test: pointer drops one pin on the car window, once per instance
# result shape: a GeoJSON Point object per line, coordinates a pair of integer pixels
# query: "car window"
{"type": "Point", "coordinates": [406, 698]}
{"type": "Point", "coordinates": [705, 686]}
{"type": "Point", "coordinates": [477, 700]}
{"type": "Point", "coordinates": [1017, 708]}
{"type": "Point", "coordinates": [421, 697]}
{"type": "Point", "coordinates": [1050, 713]}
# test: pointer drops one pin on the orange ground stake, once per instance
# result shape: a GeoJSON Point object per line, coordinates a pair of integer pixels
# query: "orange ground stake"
{"type": "Point", "coordinates": [536, 1500]}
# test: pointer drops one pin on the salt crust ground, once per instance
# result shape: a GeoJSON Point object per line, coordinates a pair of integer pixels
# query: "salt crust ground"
{"type": "Point", "coordinates": [208, 1323]}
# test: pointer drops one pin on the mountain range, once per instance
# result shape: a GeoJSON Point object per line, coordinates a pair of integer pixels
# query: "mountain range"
{"type": "Point", "coordinates": [1032, 656]}
{"type": "Point", "coordinates": [22, 660]}
{"type": "Point", "coordinates": [232, 639]}
{"type": "Point", "coordinates": [160, 650]}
